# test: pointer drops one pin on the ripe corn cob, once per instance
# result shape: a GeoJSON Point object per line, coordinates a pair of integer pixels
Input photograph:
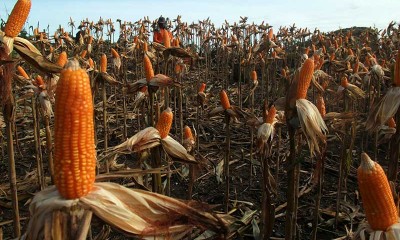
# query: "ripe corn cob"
{"type": "Point", "coordinates": [321, 106]}
{"type": "Point", "coordinates": [344, 82]}
{"type": "Point", "coordinates": [83, 53]}
{"type": "Point", "coordinates": [148, 68]}
{"type": "Point", "coordinates": [305, 76]}
{"type": "Point", "coordinates": [224, 100]}
{"type": "Point", "coordinates": [376, 195]}
{"type": "Point", "coordinates": [91, 63]}
{"type": "Point", "coordinates": [271, 115]}
{"type": "Point", "coordinates": [270, 34]}
{"type": "Point", "coordinates": [202, 87]}
{"type": "Point", "coordinates": [114, 53]}
{"type": "Point", "coordinates": [166, 39]}
{"type": "Point", "coordinates": [396, 77]}
{"type": "Point", "coordinates": [39, 81]}
{"type": "Point", "coordinates": [253, 75]}
{"type": "Point", "coordinates": [62, 59]}
{"type": "Point", "coordinates": [164, 123]}
{"type": "Point", "coordinates": [188, 133]}
{"type": "Point", "coordinates": [103, 63]}
{"type": "Point", "coordinates": [17, 18]}
{"type": "Point", "coordinates": [22, 72]}
{"type": "Point", "coordinates": [391, 123]}
{"type": "Point", "coordinates": [145, 47]}
{"type": "Point", "coordinates": [75, 156]}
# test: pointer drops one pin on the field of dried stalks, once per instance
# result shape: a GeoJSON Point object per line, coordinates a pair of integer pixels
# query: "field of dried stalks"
{"type": "Point", "coordinates": [239, 131]}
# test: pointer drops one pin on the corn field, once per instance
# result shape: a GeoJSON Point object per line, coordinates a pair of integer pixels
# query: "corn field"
{"type": "Point", "coordinates": [239, 131]}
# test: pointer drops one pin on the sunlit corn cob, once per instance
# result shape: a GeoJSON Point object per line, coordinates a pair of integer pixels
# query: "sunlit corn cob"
{"type": "Point", "coordinates": [188, 139]}
{"type": "Point", "coordinates": [321, 106]}
{"type": "Point", "coordinates": [224, 100]}
{"type": "Point", "coordinates": [148, 68]}
{"type": "Point", "coordinates": [202, 87]}
{"type": "Point", "coordinates": [17, 18]}
{"type": "Point", "coordinates": [74, 156]}
{"type": "Point", "coordinates": [166, 39]}
{"type": "Point", "coordinates": [305, 76]}
{"type": "Point", "coordinates": [62, 59]}
{"type": "Point", "coordinates": [391, 123]}
{"type": "Point", "coordinates": [271, 115]}
{"type": "Point", "coordinates": [376, 195]}
{"type": "Point", "coordinates": [164, 123]}
{"type": "Point", "coordinates": [22, 72]}
{"type": "Point", "coordinates": [103, 63]}
{"type": "Point", "coordinates": [116, 59]}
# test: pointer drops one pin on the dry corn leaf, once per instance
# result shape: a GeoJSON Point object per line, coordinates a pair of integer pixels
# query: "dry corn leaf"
{"type": "Point", "coordinates": [104, 76]}
{"type": "Point", "coordinates": [133, 211]}
{"type": "Point", "coordinates": [37, 60]}
{"type": "Point", "coordinates": [136, 86]}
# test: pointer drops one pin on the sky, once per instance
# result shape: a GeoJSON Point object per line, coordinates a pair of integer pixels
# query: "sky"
{"type": "Point", "coordinates": [326, 15]}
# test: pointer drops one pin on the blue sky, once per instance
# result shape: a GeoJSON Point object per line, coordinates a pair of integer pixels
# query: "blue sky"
{"type": "Point", "coordinates": [327, 15]}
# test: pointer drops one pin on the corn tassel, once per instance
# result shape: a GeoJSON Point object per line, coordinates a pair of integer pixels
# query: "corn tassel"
{"type": "Point", "coordinates": [306, 73]}
{"type": "Point", "coordinates": [376, 195]}
{"type": "Point", "coordinates": [164, 123]}
{"type": "Point", "coordinates": [75, 155]}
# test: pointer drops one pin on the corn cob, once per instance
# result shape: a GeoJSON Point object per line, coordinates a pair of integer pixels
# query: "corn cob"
{"type": "Point", "coordinates": [321, 106]}
{"type": "Point", "coordinates": [270, 34]}
{"type": "Point", "coordinates": [75, 156]}
{"type": "Point", "coordinates": [17, 18]}
{"type": "Point", "coordinates": [166, 39]}
{"type": "Point", "coordinates": [148, 68]}
{"type": "Point", "coordinates": [202, 87]}
{"type": "Point", "coordinates": [253, 75]}
{"type": "Point", "coordinates": [306, 73]}
{"type": "Point", "coordinates": [114, 53]}
{"type": "Point", "coordinates": [376, 195]}
{"type": "Point", "coordinates": [91, 63]}
{"type": "Point", "coordinates": [22, 72]}
{"type": "Point", "coordinates": [344, 82]}
{"type": "Point", "coordinates": [103, 63]}
{"type": "Point", "coordinates": [396, 78]}
{"type": "Point", "coordinates": [271, 115]}
{"type": "Point", "coordinates": [62, 59]}
{"type": "Point", "coordinates": [164, 123]}
{"type": "Point", "coordinates": [391, 123]}
{"type": "Point", "coordinates": [224, 100]}
{"type": "Point", "coordinates": [187, 132]}
{"type": "Point", "coordinates": [83, 53]}
{"type": "Point", "coordinates": [145, 47]}
{"type": "Point", "coordinates": [39, 81]}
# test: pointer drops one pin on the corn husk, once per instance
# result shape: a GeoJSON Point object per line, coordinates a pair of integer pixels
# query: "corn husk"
{"type": "Point", "coordinates": [364, 230]}
{"type": "Point", "coordinates": [384, 110]}
{"type": "Point", "coordinates": [145, 214]}
{"type": "Point", "coordinates": [144, 139]}
{"type": "Point", "coordinates": [176, 151]}
{"type": "Point", "coordinates": [311, 122]}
